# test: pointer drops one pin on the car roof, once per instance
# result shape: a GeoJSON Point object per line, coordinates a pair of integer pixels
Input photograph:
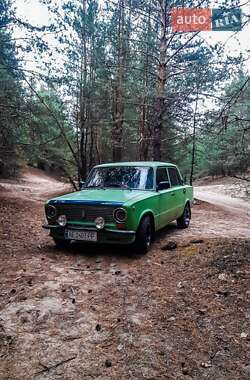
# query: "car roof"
{"type": "Point", "coordinates": [136, 163]}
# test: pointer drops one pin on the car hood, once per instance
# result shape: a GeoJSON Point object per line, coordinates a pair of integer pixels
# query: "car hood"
{"type": "Point", "coordinates": [113, 197]}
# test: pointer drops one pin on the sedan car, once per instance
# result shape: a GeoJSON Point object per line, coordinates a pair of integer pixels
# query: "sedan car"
{"type": "Point", "coordinates": [121, 203]}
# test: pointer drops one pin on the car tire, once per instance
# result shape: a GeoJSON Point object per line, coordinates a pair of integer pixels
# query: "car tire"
{"type": "Point", "coordinates": [184, 220]}
{"type": "Point", "coordinates": [144, 236]}
{"type": "Point", "coordinates": [61, 243]}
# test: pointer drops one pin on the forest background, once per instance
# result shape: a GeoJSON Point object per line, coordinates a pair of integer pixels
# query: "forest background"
{"type": "Point", "coordinates": [89, 81]}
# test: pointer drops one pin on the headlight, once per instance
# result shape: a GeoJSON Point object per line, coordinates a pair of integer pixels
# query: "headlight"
{"type": "Point", "coordinates": [51, 212]}
{"type": "Point", "coordinates": [120, 215]}
{"type": "Point", "coordinates": [62, 220]}
{"type": "Point", "coordinates": [100, 222]}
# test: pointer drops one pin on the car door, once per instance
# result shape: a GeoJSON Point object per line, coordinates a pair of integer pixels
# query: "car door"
{"type": "Point", "coordinates": [177, 192]}
{"type": "Point", "coordinates": [165, 202]}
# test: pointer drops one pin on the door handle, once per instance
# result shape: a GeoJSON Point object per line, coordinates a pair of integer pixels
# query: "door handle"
{"type": "Point", "coordinates": [173, 194]}
{"type": "Point", "coordinates": [184, 191]}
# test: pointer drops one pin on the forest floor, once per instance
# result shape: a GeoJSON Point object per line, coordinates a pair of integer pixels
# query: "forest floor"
{"type": "Point", "coordinates": [94, 312]}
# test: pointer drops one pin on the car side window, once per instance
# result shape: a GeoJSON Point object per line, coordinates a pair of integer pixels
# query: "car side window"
{"type": "Point", "coordinates": [161, 175]}
{"type": "Point", "coordinates": [174, 176]}
{"type": "Point", "coordinates": [150, 179]}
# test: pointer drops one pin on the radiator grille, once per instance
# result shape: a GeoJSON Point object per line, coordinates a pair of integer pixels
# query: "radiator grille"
{"type": "Point", "coordinates": [86, 213]}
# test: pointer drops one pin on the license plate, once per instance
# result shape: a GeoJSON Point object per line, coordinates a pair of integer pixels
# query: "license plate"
{"type": "Point", "coordinates": [81, 235]}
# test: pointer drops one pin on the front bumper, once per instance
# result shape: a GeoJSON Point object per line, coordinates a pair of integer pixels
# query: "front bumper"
{"type": "Point", "coordinates": [105, 236]}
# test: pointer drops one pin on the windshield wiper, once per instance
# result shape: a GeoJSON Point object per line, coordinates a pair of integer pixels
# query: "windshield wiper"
{"type": "Point", "coordinates": [94, 187]}
{"type": "Point", "coordinates": [122, 185]}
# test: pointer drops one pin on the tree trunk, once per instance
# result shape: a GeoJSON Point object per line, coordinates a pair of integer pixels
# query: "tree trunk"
{"type": "Point", "coordinates": [160, 100]}
{"type": "Point", "coordinates": [194, 140]}
{"type": "Point", "coordinates": [117, 127]}
{"type": "Point", "coordinates": [82, 106]}
{"type": "Point", "coordinates": [118, 95]}
{"type": "Point", "coordinates": [144, 132]}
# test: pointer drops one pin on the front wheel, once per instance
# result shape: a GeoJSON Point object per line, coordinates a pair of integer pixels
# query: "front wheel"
{"type": "Point", "coordinates": [144, 236]}
{"type": "Point", "coordinates": [184, 220]}
{"type": "Point", "coordinates": [61, 243]}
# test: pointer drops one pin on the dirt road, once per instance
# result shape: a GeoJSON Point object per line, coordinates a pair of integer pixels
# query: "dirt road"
{"type": "Point", "coordinates": [106, 313]}
{"type": "Point", "coordinates": [214, 194]}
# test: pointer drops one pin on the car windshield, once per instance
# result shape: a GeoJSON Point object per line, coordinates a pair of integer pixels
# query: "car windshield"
{"type": "Point", "coordinates": [122, 177]}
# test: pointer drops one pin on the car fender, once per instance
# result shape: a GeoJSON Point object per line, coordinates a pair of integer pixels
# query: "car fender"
{"type": "Point", "coordinates": [145, 213]}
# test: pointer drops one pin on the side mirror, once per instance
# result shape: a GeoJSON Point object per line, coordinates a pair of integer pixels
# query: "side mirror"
{"type": "Point", "coordinates": [164, 185]}
{"type": "Point", "coordinates": [82, 184]}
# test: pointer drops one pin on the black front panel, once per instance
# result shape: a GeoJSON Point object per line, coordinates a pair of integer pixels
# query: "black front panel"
{"type": "Point", "coordinates": [85, 212]}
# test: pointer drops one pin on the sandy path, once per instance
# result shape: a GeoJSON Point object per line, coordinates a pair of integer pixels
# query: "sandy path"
{"type": "Point", "coordinates": [214, 194]}
{"type": "Point", "coordinates": [33, 184]}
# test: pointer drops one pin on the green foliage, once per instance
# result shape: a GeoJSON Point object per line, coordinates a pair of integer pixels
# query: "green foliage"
{"type": "Point", "coordinates": [10, 97]}
{"type": "Point", "coordinates": [106, 54]}
{"type": "Point", "coordinates": [226, 145]}
{"type": "Point", "coordinates": [43, 145]}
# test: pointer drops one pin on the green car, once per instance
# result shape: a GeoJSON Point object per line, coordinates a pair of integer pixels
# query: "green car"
{"type": "Point", "coordinates": [121, 203]}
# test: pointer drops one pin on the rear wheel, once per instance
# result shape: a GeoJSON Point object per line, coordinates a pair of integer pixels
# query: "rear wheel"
{"type": "Point", "coordinates": [61, 243]}
{"type": "Point", "coordinates": [184, 220]}
{"type": "Point", "coordinates": [144, 236]}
